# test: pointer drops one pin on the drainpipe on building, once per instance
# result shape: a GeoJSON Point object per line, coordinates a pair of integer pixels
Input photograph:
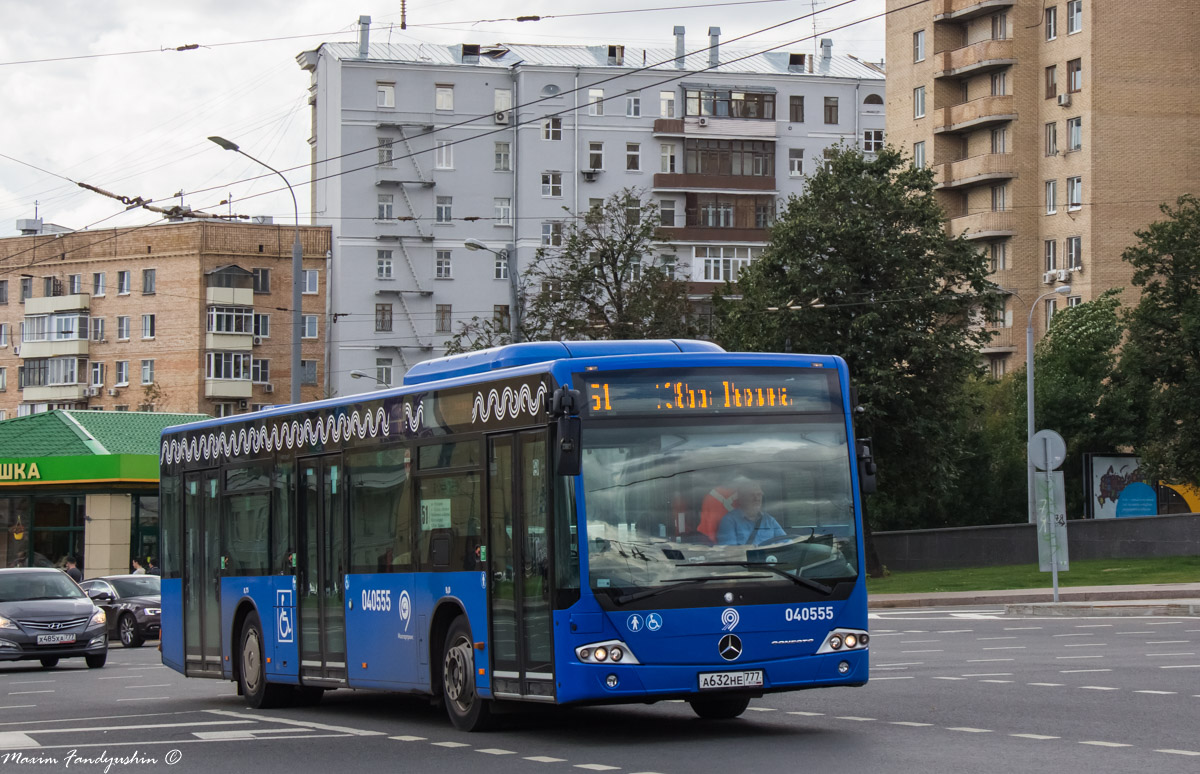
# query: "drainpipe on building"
{"type": "Point", "coordinates": [514, 255]}
{"type": "Point", "coordinates": [575, 157]}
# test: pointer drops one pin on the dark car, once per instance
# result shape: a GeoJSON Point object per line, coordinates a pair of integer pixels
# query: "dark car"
{"type": "Point", "coordinates": [133, 604]}
{"type": "Point", "coordinates": [45, 616]}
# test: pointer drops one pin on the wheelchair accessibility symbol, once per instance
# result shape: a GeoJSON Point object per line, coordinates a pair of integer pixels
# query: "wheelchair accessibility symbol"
{"type": "Point", "coordinates": [283, 616]}
{"type": "Point", "coordinates": [653, 622]}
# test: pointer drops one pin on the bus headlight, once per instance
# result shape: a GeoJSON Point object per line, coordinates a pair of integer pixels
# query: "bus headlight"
{"type": "Point", "coordinates": [610, 651]}
{"type": "Point", "coordinates": [843, 640]}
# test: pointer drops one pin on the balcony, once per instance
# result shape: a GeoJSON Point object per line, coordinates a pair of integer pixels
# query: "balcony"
{"type": "Point", "coordinates": [981, 57]}
{"type": "Point", "coordinates": [976, 170]}
{"type": "Point", "coordinates": [982, 225]}
{"type": "Point", "coordinates": [399, 176]}
{"type": "Point", "coordinates": [1003, 339]}
{"type": "Point", "coordinates": [228, 388]}
{"type": "Point", "coordinates": [54, 304]}
{"type": "Point", "coordinates": [229, 296]}
{"type": "Point", "coordinates": [711, 126]}
{"type": "Point", "coordinates": [54, 348]}
{"type": "Point", "coordinates": [240, 342]}
{"type": "Point", "coordinates": [961, 10]}
{"type": "Point", "coordinates": [53, 393]}
{"type": "Point", "coordinates": [676, 180]}
{"type": "Point", "coordinates": [974, 114]}
{"type": "Point", "coordinates": [668, 127]}
{"type": "Point", "coordinates": [713, 234]}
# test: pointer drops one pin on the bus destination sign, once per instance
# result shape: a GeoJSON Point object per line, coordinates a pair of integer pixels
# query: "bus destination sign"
{"type": "Point", "coordinates": [705, 391]}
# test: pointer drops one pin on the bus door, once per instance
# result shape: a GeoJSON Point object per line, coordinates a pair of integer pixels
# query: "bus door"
{"type": "Point", "coordinates": [321, 575]}
{"type": "Point", "coordinates": [202, 573]}
{"type": "Point", "coordinates": [518, 559]}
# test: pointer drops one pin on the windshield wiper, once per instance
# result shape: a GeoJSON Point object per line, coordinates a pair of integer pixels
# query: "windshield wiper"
{"type": "Point", "coordinates": [799, 580]}
{"type": "Point", "coordinates": [626, 598]}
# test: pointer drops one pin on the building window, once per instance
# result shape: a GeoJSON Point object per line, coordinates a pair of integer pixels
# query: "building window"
{"type": "Point", "coordinates": [595, 155]}
{"type": "Point", "coordinates": [26, 288]}
{"type": "Point", "coordinates": [97, 375]}
{"type": "Point", "coordinates": [1075, 134]}
{"type": "Point", "coordinates": [385, 211]}
{"type": "Point", "coordinates": [309, 326]}
{"type": "Point", "coordinates": [999, 84]}
{"type": "Point", "coordinates": [666, 212]}
{"type": "Point", "coordinates": [1075, 75]}
{"type": "Point", "coordinates": [444, 210]}
{"type": "Point", "coordinates": [729, 157]}
{"type": "Point", "coordinates": [873, 140]}
{"type": "Point", "coordinates": [1074, 301]}
{"type": "Point", "coordinates": [633, 156]}
{"type": "Point", "coordinates": [667, 157]}
{"type": "Point", "coordinates": [236, 366]}
{"type": "Point", "coordinates": [1052, 139]}
{"type": "Point", "coordinates": [795, 162]}
{"type": "Point", "coordinates": [310, 279]}
{"type": "Point", "coordinates": [919, 46]}
{"type": "Point", "coordinates": [666, 104]}
{"type": "Point", "coordinates": [121, 376]}
{"type": "Point", "coordinates": [147, 326]}
{"type": "Point", "coordinates": [262, 280]}
{"type": "Point", "coordinates": [500, 267]}
{"type": "Point", "coordinates": [831, 108]}
{"type": "Point", "coordinates": [1074, 16]}
{"type": "Point", "coordinates": [1051, 81]}
{"type": "Point", "coordinates": [502, 100]}
{"type": "Point", "coordinates": [552, 129]}
{"type": "Point", "coordinates": [1051, 23]}
{"type": "Point", "coordinates": [919, 154]}
{"type": "Point", "coordinates": [385, 95]}
{"type": "Point", "coordinates": [383, 370]}
{"type": "Point", "coordinates": [308, 372]}
{"type": "Point", "coordinates": [918, 102]}
{"type": "Point", "coordinates": [999, 198]}
{"type": "Point", "coordinates": [148, 282]}
{"type": "Point", "coordinates": [147, 372]}
{"type": "Point", "coordinates": [730, 104]}
{"type": "Point", "coordinates": [1075, 253]}
{"type": "Point", "coordinates": [722, 264]}
{"type": "Point", "coordinates": [503, 157]}
{"type": "Point", "coordinates": [1051, 255]}
{"type": "Point", "coordinates": [1000, 26]}
{"type": "Point", "coordinates": [260, 370]}
{"type": "Point", "coordinates": [595, 102]}
{"type": "Point", "coordinates": [443, 97]}
{"type": "Point", "coordinates": [383, 318]}
{"type": "Point", "coordinates": [75, 284]}
{"type": "Point", "coordinates": [552, 184]}
{"type": "Point", "coordinates": [503, 211]}
{"type": "Point", "coordinates": [633, 107]}
{"type": "Point", "coordinates": [3, 292]}
{"type": "Point", "coordinates": [1051, 307]}
{"type": "Point", "coordinates": [123, 328]}
{"type": "Point", "coordinates": [383, 264]}
{"type": "Point", "coordinates": [4, 329]}
{"type": "Point", "coordinates": [1051, 197]}
{"type": "Point", "coordinates": [552, 234]}
{"type": "Point", "coordinates": [796, 109]}
{"type": "Point", "coordinates": [442, 268]}
{"type": "Point", "coordinates": [443, 318]}
{"type": "Point", "coordinates": [443, 154]}
{"type": "Point", "coordinates": [998, 256]}
{"type": "Point", "coordinates": [501, 316]}
{"type": "Point", "coordinates": [996, 366]}
{"type": "Point", "coordinates": [262, 326]}
{"type": "Point", "coordinates": [385, 151]}
{"type": "Point", "coordinates": [123, 283]}
{"type": "Point", "coordinates": [1074, 193]}
{"type": "Point", "coordinates": [1000, 140]}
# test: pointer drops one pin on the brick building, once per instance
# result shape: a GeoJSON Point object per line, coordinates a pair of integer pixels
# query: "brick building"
{"type": "Point", "coordinates": [180, 317]}
{"type": "Point", "coordinates": [1055, 129]}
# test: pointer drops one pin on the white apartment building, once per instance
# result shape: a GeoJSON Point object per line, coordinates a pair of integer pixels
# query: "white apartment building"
{"type": "Point", "coordinates": [418, 148]}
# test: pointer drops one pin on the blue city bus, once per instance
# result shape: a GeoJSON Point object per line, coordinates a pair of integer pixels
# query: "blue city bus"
{"type": "Point", "coordinates": [558, 522]}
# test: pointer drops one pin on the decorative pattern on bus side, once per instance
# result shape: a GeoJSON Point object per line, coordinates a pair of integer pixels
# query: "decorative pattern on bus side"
{"type": "Point", "coordinates": [510, 401]}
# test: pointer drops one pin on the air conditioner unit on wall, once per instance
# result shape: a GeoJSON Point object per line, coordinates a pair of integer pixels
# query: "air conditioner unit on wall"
{"type": "Point", "coordinates": [268, 388]}
{"type": "Point", "coordinates": [1063, 274]}
{"type": "Point", "coordinates": [502, 116]}
{"type": "Point", "coordinates": [702, 121]}
{"type": "Point", "coordinates": [257, 340]}
{"type": "Point", "coordinates": [1064, 100]}
{"type": "Point", "coordinates": [1049, 277]}
{"type": "Point", "coordinates": [112, 392]}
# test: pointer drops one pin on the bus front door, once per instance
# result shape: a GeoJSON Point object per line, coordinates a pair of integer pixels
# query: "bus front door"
{"type": "Point", "coordinates": [519, 566]}
{"type": "Point", "coordinates": [202, 574]}
{"type": "Point", "coordinates": [321, 576]}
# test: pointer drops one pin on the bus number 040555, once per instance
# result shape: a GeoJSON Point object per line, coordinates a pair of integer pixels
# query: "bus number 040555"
{"type": "Point", "coordinates": [810, 613]}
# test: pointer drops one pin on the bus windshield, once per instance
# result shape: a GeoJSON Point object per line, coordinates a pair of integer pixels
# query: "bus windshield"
{"type": "Point", "coordinates": [675, 505]}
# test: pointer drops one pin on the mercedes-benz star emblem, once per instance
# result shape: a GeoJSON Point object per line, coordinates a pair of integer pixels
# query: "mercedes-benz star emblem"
{"type": "Point", "coordinates": [730, 647]}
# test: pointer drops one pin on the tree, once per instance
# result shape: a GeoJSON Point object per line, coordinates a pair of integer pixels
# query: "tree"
{"type": "Point", "coordinates": [1159, 374]}
{"type": "Point", "coordinates": [861, 266]}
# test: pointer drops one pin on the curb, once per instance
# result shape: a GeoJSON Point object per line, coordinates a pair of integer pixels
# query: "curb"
{"type": "Point", "coordinates": [1140, 594]}
{"type": "Point", "coordinates": [1182, 607]}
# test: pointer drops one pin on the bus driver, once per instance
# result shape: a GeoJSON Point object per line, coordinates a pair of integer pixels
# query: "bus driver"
{"type": "Point", "coordinates": [747, 524]}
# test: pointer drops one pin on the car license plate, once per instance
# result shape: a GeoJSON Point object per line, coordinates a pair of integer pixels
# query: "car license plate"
{"type": "Point", "coordinates": [54, 639]}
{"type": "Point", "coordinates": [748, 679]}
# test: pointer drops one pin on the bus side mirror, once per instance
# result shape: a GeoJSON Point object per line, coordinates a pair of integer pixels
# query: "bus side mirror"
{"type": "Point", "coordinates": [866, 466]}
{"type": "Point", "coordinates": [568, 456]}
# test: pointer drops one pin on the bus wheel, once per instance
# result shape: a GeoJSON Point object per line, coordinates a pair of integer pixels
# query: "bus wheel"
{"type": "Point", "coordinates": [719, 708]}
{"type": "Point", "coordinates": [467, 710]}
{"type": "Point", "coordinates": [258, 692]}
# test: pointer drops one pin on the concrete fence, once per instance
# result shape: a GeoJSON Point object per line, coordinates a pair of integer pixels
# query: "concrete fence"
{"type": "Point", "coordinates": [1001, 544]}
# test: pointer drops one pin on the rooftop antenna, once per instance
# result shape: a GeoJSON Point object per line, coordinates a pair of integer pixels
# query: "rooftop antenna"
{"type": "Point", "coordinates": [816, 43]}
{"type": "Point", "coordinates": [35, 206]}
{"type": "Point", "coordinates": [403, 14]}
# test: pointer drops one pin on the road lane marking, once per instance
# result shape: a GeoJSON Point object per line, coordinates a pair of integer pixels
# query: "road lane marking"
{"type": "Point", "coordinates": [247, 733]}
{"type": "Point", "coordinates": [953, 631]}
{"type": "Point", "coordinates": [1077, 671]}
{"type": "Point", "coordinates": [1070, 657]}
{"type": "Point", "coordinates": [33, 682]}
{"type": "Point", "coordinates": [1151, 642]}
{"type": "Point", "coordinates": [159, 685]}
{"type": "Point", "coordinates": [1048, 685]}
{"type": "Point", "coordinates": [1034, 736]}
{"type": "Point", "coordinates": [909, 723]}
{"type": "Point", "coordinates": [408, 738]}
{"type": "Point", "coordinates": [1164, 623]}
{"type": "Point", "coordinates": [1021, 628]}
{"type": "Point", "coordinates": [1087, 645]}
{"type": "Point", "coordinates": [1181, 666]}
{"type": "Point", "coordinates": [987, 660]}
{"type": "Point", "coordinates": [289, 722]}
{"type": "Point", "coordinates": [19, 706]}
{"type": "Point", "coordinates": [949, 678]}
{"type": "Point", "coordinates": [995, 681]}
{"type": "Point", "coordinates": [852, 717]}
{"type": "Point", "coordinates": [1179, 752]}
{"type": "Point", "coordinates": [450, 744]}
{"type": "Point", "coordinates": [1012, 637]}
{"type": "Point", "coordinates": [1097, 688]}
{"type": "Point", "coordinates": [596, 767]}
{"type": "Point", "coordinates": [1107, 744]}
{"type": "Point", "coordinates": [894, 677]}
{"type": "Point", "coordinates": [760, 709]}
{"type": "Point", "coordinates": [989, 674]}
{"type": "Point", "coordinates": [1158, 693]}
{"type": "Point", "coordinates": [138, 727]}
{"type": "Point", "coordinates": [969, 730]}
{"type": "Point", "coordinates": [22, 693]}
{"type": "Point", "coordinates": [545, 759]}
{"type": "Point", "coordinates": [1093, 626]}
{"type": "Point", "coordinates": [15, 740]}
{"type": "Point", "coordinates": [145, 698]}
{"type": "Point", "coordinates": [1170, 654]}
{"type": "Point", "coordinates": [807, 714]}
{"type": "Point", "coordinates": [1006, 647]}
{"type": "Point", "coordinates": [496, 751]}
{"type": "Point", "coordinates": [1077, 634]}
{"type": "Point", "coordinates": [1135, 632]}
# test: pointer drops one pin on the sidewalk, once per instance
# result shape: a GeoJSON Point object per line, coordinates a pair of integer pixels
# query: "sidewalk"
{"type": "Point", "coordinates": [1156, 599]}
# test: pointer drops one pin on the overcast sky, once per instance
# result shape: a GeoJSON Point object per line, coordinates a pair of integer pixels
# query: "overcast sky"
{"type": "Point", "coordinates": [136, 123]}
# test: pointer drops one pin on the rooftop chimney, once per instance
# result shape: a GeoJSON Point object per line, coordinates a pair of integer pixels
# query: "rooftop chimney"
{"type": "Point", "coordinates": [679, 48]}
{"type": "Point", "coordinates": [364, 36]}
{"type": "Point", "coordinates": [29, 226]}
{"type": "Point", "coordinates": [714, 46]}
{"type": "Point", "coordinates": [826, 48]}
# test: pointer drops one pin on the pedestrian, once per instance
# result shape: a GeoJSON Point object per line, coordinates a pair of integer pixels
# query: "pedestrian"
{"type": "Point", "coordinates": [152, 566]}
{"type": "Point", "coordinates": [138, 569]}
{"type": "Point", "coordinates": [75, 573]}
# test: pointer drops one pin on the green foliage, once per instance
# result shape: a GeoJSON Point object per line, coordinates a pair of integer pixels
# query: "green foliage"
{"type": "Point", "coordinates": [861, 266]}
{"type": "Point", "coordinates": [478, 333]}
{"type": "Point", "coordinates": [992, 486]}
{"type": "Point", "coordinates": [1160, 364]}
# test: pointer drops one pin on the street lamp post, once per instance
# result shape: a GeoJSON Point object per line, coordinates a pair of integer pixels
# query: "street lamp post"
{"type": "Point", "coordinates": [508, 255]}
{"type": "Point", "coordinates": [1030, 430]}
{"type": "Point", "coordinates": [297, 269]}
{"type": "Point", "coordinates": [365, 375]}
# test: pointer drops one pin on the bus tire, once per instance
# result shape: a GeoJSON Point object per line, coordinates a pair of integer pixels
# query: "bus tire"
{"type": "Point", "coordinates": [719, 707]}
{"type": "Point", "coordinates": [252, 677]}
{"type": "Point", "coordinates": [467, 710]}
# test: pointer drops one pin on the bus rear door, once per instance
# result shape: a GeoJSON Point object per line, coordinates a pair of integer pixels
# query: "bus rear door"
{"type": "Point", "coordinates": [202, 574]}
{"type": "Point", "coordinates": [321, 575]}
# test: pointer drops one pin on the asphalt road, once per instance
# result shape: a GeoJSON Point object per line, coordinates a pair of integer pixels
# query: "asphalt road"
{"type": "Point", "coordinates": [952, 690]}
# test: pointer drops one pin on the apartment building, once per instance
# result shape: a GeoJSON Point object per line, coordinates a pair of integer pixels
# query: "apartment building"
{"type": "Point", "coordinates": [188, 317]}
{"type": "Point", "coordinates": [1055, 129]}
{"type": "Point", "coordinates": [418, 148]}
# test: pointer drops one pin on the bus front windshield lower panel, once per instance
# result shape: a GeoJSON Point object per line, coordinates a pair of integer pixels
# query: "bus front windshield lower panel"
{"type": "Point", "coordinates": [675, 507]}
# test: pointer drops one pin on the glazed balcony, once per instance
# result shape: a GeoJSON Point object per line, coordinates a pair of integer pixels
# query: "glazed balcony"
{"type": "Point", "coordinates": [974, 114]}
{"type": "Point", "coordinates": [976, 170]}
{"type": "Point", "coordinates": [699, 181]}
{"type": "Point", "coordinates": [961, 10]}
{"type": "Point", "coordinates": [982, 57]}
{"type": "Point", "coordinates": [1003, 339]}
{"type": "Point", "coordinates": [982, 225]}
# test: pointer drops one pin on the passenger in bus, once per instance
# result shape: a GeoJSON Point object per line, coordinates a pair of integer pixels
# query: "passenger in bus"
{"type": "Point", "coordinates": [748, 524]}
